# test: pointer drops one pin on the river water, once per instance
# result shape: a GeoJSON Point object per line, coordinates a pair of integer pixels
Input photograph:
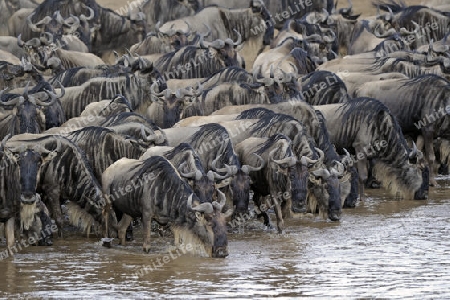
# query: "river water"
{"type": "Point", "coordinates": [381, 249]}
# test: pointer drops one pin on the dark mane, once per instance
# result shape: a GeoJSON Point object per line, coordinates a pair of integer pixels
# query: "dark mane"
{"type": "Point", "coordinates": [382, 125]}
{"type": "Point", "coordinates": [270, 141]}
{"type": "Point", "coordinates": [255, 113]}
{"type": "Point", "coordinates": [324, 141]}
{"type": "Point", "coordinates": [183, 148]}
{"type": "Point", "coordinates": [394, 6]}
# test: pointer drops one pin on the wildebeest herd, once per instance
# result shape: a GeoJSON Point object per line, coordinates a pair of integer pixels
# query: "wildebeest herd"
{"type": "Point", "coordinates": [183, 113]}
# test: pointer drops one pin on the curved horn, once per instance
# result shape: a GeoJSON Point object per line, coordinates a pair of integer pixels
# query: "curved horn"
{"type": "Point", "coordinates": [208, 30]}
{"type": "Point", "coordinates": [59, 18]}
{"type": "Point", "coordinates": [189, 202]}
{"type": "Point", "coordinates": [389, 16]}
{"type": "Point", "coordinates": [321, 173]}
{"type": "Point", "coordinates": [254, 169]}
{"type": "Point", "coordinates": [321, 154]}
{"type": "Point", "coordinates": [203, 43]}
{"type": "Point", "coordinates": [413, 152]}
{"type": "Point", "coordinates": [20, 43]}
{"type": "Point", "coordinates": [210, 175]}
{"type": "Point", "coordinates": [43, 150]}
{"type": "Point", "coordinates": [263, 80]}
{"type": "Point", "coordinates": [218, 44]}
{"type": "Point", "coordinates": [189, 174]}
{"type": "Point", "coordinates": [188, 32]}
{"type": "Point", "coordinates": [222, 201]}
{"type": "Point", "coordinates": [340, 169]}
{"type": "Point", "coordinates": [14, 101]}
{"type": "Point", "coordinates": [25, 93]}
{"type": "Point", "coordinates": [53, 96]}
{"type": "Point", "coordinates": [154, 92]}
{"type": "Point", "coordinates": [30, 23]}
{"type": "Point", "coordinates": [347, 159]}
{"type": "Point", "coordinates": [239, 40]}
{"type": "Point", "coordinates": [330, 39]}
{"type": "Point", "coordinates": [204, 207]}
{"type": "Point", "coordinates": [3, 143]}
{"type": "Point", "coordinates": [91, 14]}
{"type": "Point", "coordinates": [74, 26]}
{"type": "Point", "coordinates": [157, 25]}
{"type": "Point", "coordinates": [290, 161]}
{"type": "Point", "coordinates": [199, 89]}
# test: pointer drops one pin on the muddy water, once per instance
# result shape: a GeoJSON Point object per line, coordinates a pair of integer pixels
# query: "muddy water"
{"type": "Point", "coordinates": [382, 248]}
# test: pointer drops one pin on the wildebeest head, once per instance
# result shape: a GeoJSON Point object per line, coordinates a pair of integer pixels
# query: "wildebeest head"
{"type": "Point", "coordinates": [73, 26]}
{"type": "Point", "coordinates": [30, 117]}
{"type": "Point", "coordinates": [226, 49]}
{"type": "Point", "coordinates": [162, 41]}
{"type": "Point", "coordinates": [207, 222]}
{"type": "Point", "coordinates": [191, 169]}
{"type": "Point", "coordinates": [258, 6]}
{"type": "Point", "coordinates": [324, 189]}
{"type": "Point", "coordinates": [148, 74]}
{"type": "Point", "coordinates": [239, 182]}
{"type": "Point", "coordinates": [173, 103]}
{"type": "Point", "coordinates": [296, 172]}
{"type": "Point", "coordinates": [30, 159]}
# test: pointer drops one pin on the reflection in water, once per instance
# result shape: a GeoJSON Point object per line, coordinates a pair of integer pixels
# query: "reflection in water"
{"type": "Point", "coordinates": [382, 248]}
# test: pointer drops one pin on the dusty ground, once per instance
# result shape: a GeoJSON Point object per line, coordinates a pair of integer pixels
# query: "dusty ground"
{"type": "Point", "coordinates": [359, 6]}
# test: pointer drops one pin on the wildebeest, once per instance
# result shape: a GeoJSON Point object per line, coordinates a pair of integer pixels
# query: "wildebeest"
{"type": "Point", "coordinates": [58, 175]}
{"type": "Point", "coordinates": [103, 147]}
{"type": "Point", "coordinates": [154, 190]}
{"type": "Point", "coordinates": [323, 87]}
{"type": "Point", "coordinates": [9, 7]}
{"type": "Point", "coordinates": [25, 162]}
{"type": "Point", "coordinates": [184, 158]}
{"type": "Point", "coordinates": [25, 113]}
{"type": "Point", "coordinates": [165, 113]}
{"type": "Point", "coordinates": [16, 76]}
{"type": "Point", "coordinates": [279, 178]}
{"type": "Point", "coordinates": [323, 184]}
{"type": "Point", "coordinates": [434, 25]}
{"type": "Point", "coordinates": [213, 144]}
{"type": "Point", "coordinates": [135, 87]}
{"type": "Point", "coordinates": [199, 62]}
{"type": "Point", "coordinates": [368, 130]}
{"type": "Point", "coordinates": [253, 24]}
{"type": "Point", "coordinates": [280, 10]}
{"type": "Point", "coordinates": [9, 193]}
{"type": "Point", "coordinates": [114, 31]}
{"type": "Point", "coordinates": [285, 58]}
{"type": "Point", "coordinates": [421, 106]}
{"type": "Point", "coordinates": [158, 11]}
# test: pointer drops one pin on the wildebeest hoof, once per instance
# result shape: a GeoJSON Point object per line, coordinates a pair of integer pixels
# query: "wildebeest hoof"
{"type": "Point", "coordinates": [107, 242]}
{"type": "Point", "coordinates": [129, 236]}
{"type": "Point", "coordinates": [443, 170]}
{"type": "Point", "coordinates": [146, 249]}
{"type": "Point", "coordinates": [299, 209]}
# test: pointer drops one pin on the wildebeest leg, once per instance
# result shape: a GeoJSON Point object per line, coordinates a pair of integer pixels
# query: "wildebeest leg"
{"type": "Point", "coordinates": [122, 228]}
{"type": "Point", "coordinates": [147, 225]}
{"type": "Point", "coordinates": [286, 205]}
{"type": "Point", "coordinates": [260, 212]}
{"type": "Point", "coordinates": [9, 233]}
{"type": "Point", "coordinates": [51, 194]}
{"type": "Point", "coordinates": [278, 213]}
{"type": "Point", "coordinates": [372, 182]}
{"type": "Point", "coordinates": [361, 165]}
{"type": "Point", "coordinates": [427, 134]}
